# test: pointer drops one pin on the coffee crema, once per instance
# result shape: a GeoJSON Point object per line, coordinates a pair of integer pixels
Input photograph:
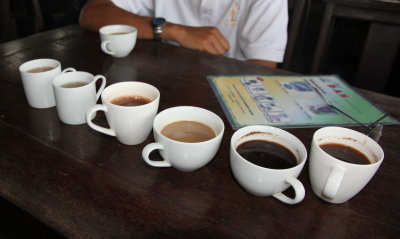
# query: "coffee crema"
{"type": "Point", "coordinates": [267, 154]}
{"type": "Point", "coordinates": [130, 100]}
{"type": "Point", "coordinates": [188, 131]}
{"type": "Point", "coordinates": [74, 84]}
{"type": "Point", "coordinates": [40, 69]}
{"type": "Point", "coordinates": [345, 153]}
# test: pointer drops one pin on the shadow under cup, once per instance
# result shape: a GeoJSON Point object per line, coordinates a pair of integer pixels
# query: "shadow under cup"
{"type": "Point", "coordinates": [263, 181]}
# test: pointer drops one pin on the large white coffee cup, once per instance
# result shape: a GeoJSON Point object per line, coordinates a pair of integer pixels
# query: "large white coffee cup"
{"type": "Point", "coordinates": [118, 40]}
{"type": "Point", "coordinates": [131, 125]}
{"type": "Point", "coordinates": [184, 156]}
{"type": "Point", "coordinates": [75, 92]}
{"type": "Point", "coordinates": [37, 77]}
{"type": "Point", "coordinates": [337, 181]}
{"type": "Point", "coordinates": [262, 181]}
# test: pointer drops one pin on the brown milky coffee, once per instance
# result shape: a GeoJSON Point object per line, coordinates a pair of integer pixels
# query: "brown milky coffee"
{"type": "Point", "coordinates": [40, 69]}
{"type": "Point", "coordinates": [74, 84]}
{"type": "Point", "coordinates": [188, 131]}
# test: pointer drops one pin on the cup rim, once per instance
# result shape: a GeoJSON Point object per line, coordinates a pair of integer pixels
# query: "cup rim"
{"type": "Point", "coordinates": [24, 66]}
{"type": "Point", "coordinates": [104, 30]}
{"type": "Point", "coordinates": [216, 137]}
{"type": "Point", "coordinates": [379, 158]}
{"type": "Point", "coordinates": [264, 128]}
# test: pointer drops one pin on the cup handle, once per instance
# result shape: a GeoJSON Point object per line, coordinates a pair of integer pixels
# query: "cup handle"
{"type": "Point", "coordinates": [104, 47]}
{"type": "Point", "coordinates": [298, 188]}
{"type": "Point", "coordinates": [146, 153]}
{"type": "Point", "coordinates": [69, 69]}
{"type": "Point", "coordinates": [334, 180]}
{"type": "Point", "coordinates": [103, 85]}
{"type": "Point", "coordinates": [89, 116]}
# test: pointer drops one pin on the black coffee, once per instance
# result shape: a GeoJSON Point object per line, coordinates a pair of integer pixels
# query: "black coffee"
{"type": "Point", "coordinates": [267, 154]}
{"type": "Point", "coordinates": [130, 100]}
{"type": "Point", "coordinates": [345, 153]}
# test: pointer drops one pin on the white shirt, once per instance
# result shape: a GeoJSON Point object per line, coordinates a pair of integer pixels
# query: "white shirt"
{"type": "Point", "coordinates": [255, 29]}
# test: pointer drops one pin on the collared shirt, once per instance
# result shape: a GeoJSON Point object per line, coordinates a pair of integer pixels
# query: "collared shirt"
{"type": "Point", "coordinates": [255, 29]}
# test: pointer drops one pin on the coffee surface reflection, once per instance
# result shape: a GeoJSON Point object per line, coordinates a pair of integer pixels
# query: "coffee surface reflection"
{"type": "Point", "coordinates": [345, 153]}
{"type": "Point", "coordinates": [267, 154]}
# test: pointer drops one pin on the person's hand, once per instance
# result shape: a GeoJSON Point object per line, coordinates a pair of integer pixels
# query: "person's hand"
{"type": "Point", "coordinates": [208, 39]}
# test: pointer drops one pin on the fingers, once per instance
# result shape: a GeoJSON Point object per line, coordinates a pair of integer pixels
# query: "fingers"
{"type": "Point", "coordinates": [208, 39]}
{"type": "Point", "coordinates": [215, 43]}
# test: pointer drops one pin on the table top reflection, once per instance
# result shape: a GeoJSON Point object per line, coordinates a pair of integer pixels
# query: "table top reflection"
{"type": "Point", "coordinates": [88, 185]}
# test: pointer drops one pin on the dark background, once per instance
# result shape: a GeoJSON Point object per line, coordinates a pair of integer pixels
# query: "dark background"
{"type": "Point", "coordinates": [342, 58]}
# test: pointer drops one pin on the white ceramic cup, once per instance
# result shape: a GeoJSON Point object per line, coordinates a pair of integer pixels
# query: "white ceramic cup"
{"type": "Point", "coordinates": [38, 85]}
{"type": "Point", "coordinates": [118, 40]}
{"type": "Point", "coordinates": [131, 125]}
{"type": "Point", "coordinates": [337, 181]}
{"type": "Point", "coordinates": [73, 102]}
{"type": "Point", "coordinates": [184, 156]}
{"type": "Point", "coordinates": [261, 181]}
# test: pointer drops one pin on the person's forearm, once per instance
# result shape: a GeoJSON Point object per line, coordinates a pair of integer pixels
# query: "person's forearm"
{"type": "Point", "coordinates": [98, 13]}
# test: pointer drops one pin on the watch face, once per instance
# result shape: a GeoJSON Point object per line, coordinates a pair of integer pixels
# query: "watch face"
{"type": "Point", "coordinates": [158, 21]}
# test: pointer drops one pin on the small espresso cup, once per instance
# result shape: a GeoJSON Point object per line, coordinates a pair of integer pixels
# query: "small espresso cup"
{"type": "Point", "coordinates": [118, 40]}
{"type": "Point", "coordinates": [266, 161]}
{"type": "Point", "coordinates": [130, 108]}
{"type": "Point", "coordinates": [75, 92]}
{"type": "Point", "coordinates": [342, 162]}
{"type": "Point", "coordinates": [37, 77]}
{"type": "Point", "coordinates": [187, 138]}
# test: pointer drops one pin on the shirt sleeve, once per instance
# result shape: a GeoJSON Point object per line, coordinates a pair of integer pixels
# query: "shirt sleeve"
{"type": "Point", "coordinates": [264, 32]}
{"type": "Point", "coordinates": [139, 7]}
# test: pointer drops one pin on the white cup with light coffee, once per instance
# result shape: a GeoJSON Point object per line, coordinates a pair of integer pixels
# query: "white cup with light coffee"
{"type": "Point", "coordinates": [342, 162]}
{"type": "Point", "coordinates": [130, 108]}
{"type": "Point", "coordinates": [37, 77]}
{"type": "Point", "coordinates": [75, 92]}
{"type": "Point", "coordinates": [267, 160]}
{"type": "Point", "coordinates": [186, 137]}
{"type": "Point", "coordinates": [118, 40]}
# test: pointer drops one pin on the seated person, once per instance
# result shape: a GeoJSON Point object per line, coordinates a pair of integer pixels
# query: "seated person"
{"type": "Point", "coordinates": [251, 30]}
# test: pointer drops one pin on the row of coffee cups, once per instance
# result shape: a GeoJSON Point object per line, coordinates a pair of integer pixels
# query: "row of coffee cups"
{"type": "Point", "coordinates": [264, 160]}
{"type": "Point", "coordinates": [73, 92]}
{"type": "Point", "coordinates": [267, 160]}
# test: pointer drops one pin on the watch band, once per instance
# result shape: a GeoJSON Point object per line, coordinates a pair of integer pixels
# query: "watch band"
{"type": "Point", "coordinates": [158, 24]}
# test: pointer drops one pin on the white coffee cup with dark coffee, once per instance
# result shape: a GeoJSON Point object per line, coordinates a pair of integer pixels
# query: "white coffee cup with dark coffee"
{"type": "Point", "coordinates": [118, 40]}
{"type": "Point", "coordinates": [186, 137]}
{"type": "Point", "coordinates": [342, 162]}
{"type": "Point", "coordinates": [267, 160]}
{"type": "Point", "coordinates": [37, 78]}
{"type": "Point", "coordinates": [75, 92]}
{"type": "Point", "coordinates": [130, 108]}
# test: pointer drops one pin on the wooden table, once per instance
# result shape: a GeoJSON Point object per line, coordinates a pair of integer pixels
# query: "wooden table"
{"type": "Point", "coordinates": [87, 185]}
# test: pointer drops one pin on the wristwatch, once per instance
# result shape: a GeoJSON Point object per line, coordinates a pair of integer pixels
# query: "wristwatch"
{"type": "Point", "coordinates": [158, 24]}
